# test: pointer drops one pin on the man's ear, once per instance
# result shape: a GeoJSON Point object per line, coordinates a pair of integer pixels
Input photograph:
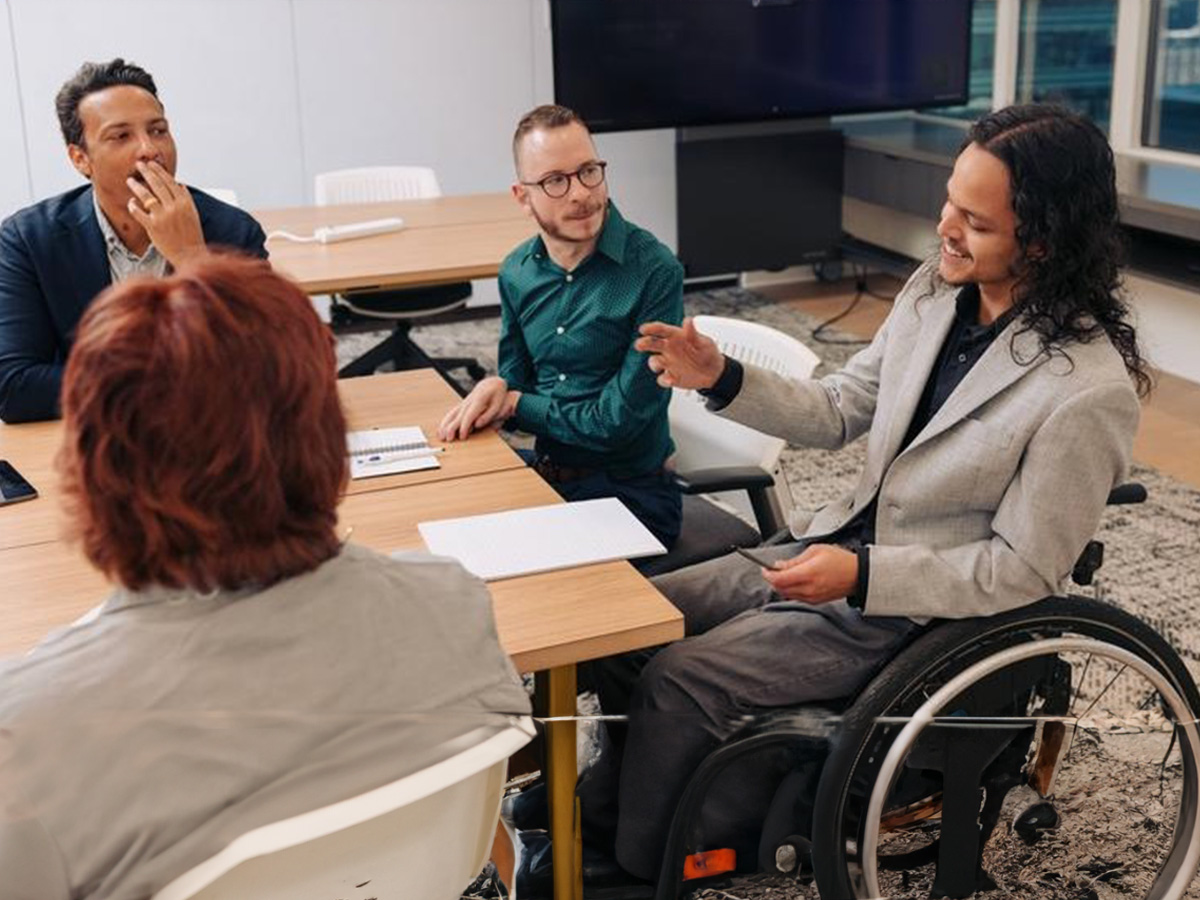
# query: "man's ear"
{"type": "Point", "coordinates": [521, 194]}
{"type": "Point", "coordinates": [80, 160]}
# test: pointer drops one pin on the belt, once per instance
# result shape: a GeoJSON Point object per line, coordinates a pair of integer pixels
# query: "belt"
{"type": "Point", "coordinates": [553, 472]}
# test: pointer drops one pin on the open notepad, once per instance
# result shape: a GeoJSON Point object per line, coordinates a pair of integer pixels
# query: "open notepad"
{"type": "Point", "coordinates": [385, 451]}
{"type": "Point", "coordinates": [541, 538]}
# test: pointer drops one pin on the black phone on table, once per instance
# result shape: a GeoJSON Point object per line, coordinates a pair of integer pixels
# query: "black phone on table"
{"type": "Point", "coordinates": [13, 486]}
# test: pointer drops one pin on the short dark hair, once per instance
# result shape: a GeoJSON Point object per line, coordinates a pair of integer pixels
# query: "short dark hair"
{"type": "Point", "coordinates": [1064, 195]}
{"type": "Point", "coordinates": [90, 78]}
{"type": "Point", "coordinates": [204, 444]}
{"type": "Point", "coordinates": [543, 118]}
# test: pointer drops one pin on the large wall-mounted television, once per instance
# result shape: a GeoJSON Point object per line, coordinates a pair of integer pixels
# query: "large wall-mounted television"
{"type": "Point", "coordinates": [632, 64]}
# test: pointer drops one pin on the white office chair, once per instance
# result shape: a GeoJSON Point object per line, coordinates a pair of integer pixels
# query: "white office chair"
{"type": "Point", "coordinates": [225, 195]}
{"type": "Point", "coordinates": [375, 184]}
{"type": "Point", "coordinates": [358, 310]}
{"type": "Point", "coordinates": [737, 467]}
{"type": "Point", "coordinates": [426, 835]}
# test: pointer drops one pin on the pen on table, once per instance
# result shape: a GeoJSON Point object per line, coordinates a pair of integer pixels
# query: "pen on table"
{"type": "Point", "coordinates": [379, 459]}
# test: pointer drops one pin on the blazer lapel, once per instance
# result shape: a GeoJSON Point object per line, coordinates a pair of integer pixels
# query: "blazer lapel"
{"type": "Point", "coordinates": [1012, 355]}
{"type": "Point", "coordinates": [85, 261]}
{"type": "Point", "coordinates": [937, 317]}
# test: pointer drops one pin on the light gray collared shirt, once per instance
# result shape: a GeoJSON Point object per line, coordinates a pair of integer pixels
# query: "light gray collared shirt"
{"type": "Point", "coordinates": [122, 262]}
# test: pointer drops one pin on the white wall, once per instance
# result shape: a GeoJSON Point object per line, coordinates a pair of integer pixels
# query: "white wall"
{"type": "Point", "coordinates": [263, 94]}
{"type": "Point", "coordinates": [15, 187]}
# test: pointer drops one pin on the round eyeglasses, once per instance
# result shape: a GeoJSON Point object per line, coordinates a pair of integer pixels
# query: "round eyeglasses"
{"type": "Point", "coordinates": [556, 185]}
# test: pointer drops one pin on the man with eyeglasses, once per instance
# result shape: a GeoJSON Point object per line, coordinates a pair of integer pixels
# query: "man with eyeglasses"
{"type": "Point", "coordinates": [572, 299]}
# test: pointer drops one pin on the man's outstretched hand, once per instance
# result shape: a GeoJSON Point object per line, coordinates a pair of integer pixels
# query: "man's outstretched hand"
{"type": "Point", "coordinates": [681, 357]}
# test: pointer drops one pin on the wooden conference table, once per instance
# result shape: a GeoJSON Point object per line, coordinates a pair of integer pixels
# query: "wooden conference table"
{"type": "Point", "coordinates": [445, 239]}
{"type": "Point", "coordinates": [548, 622]}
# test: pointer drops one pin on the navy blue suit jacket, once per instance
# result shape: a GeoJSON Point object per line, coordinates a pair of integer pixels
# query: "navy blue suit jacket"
{"type": "Point", "coordinates": [53, 263]}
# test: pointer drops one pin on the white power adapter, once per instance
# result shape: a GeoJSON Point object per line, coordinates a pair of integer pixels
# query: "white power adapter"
{"type": "Point", "coordinates": [331, 234]}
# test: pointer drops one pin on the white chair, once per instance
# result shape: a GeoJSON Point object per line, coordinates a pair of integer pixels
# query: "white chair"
{"type": "Point", "coordinates": [362, 310]}
{"type": "Point", "coordinates": [425, 836]}
{"type": "Point", "coordinates": [225, 195]}
{"type": "Point", "coordinates": [375, 184]}
{"type": "Point", "coordinates": [736, 466]}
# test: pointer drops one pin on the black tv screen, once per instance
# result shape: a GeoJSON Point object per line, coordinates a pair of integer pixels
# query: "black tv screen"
{"type": "Point", "coordinates": [630, 64]}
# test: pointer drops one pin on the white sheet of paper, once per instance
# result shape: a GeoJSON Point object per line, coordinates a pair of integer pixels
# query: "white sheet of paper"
{"type": "Point", "coordinates": [541, 538]}
{"type": "Point", "coordinates": [385, 451]}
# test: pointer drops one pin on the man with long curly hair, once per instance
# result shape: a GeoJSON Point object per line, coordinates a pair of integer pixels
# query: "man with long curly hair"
{"type": "Point", "coordinates": [999, 405]}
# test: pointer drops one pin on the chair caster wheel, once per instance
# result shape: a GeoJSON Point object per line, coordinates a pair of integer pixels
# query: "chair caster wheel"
{"type": "Point", "coordinates": [1030, 822]}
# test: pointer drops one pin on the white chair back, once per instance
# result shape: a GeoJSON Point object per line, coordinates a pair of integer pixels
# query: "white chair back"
{"type": "Point", "coordinates": [704, 440]}
{"type": "Point", "coordinates": [375, 184]}
{"type": "Point", "coordinates": [426, 835]}
{"type": "Point", "coordinates": [225, 195]}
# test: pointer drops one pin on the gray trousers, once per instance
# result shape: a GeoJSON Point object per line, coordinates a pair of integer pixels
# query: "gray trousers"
{"type": "Point", "coordinates": [746, 652]}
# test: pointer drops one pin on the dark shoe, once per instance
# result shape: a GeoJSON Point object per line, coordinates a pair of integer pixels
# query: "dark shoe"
{"type": "Point", "coordinates": [603, 877]}
{"type": "Point", "coordinates": [527, 810]}
{"type": "Point", "coordinates": [487, 886]}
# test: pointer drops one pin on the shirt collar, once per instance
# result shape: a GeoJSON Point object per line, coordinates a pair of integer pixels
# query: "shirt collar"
{"type": "Point", "coordinates": [967, 312]}
{"type": "Point", "coordinates": [614, 235]}
{"type": "Point", "coordinates": [113, 241]}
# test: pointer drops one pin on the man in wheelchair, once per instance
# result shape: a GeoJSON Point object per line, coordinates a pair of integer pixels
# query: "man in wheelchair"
{"type": "Point", "coordinates": [999, 405]}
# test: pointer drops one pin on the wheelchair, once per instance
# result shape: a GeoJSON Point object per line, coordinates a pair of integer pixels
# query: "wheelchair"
{"type": "Point", "coordinates": [912, 775]}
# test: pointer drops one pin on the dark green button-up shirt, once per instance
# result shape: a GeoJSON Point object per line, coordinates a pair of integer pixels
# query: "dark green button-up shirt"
{"type": "Point", "coordinates": [566, 342]}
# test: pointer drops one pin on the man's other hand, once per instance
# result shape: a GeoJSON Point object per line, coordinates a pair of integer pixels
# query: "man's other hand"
{"type": "Point", "coordinates": [821, 573]}
{"type": "Point", "coordinates": [164, 207]}
{"type": "Point", "coordinates": [681, 357]}
{"type": "Point", "coordinates": [489, 404]}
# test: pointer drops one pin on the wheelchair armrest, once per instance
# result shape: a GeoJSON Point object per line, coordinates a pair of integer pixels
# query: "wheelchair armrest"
{"type": "Point", "coordinates": [724, 478]}
{"type": "Point", "coordinates": [1133, 492]}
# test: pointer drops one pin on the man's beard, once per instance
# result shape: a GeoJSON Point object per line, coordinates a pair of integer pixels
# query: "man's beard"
{"type": "Point", "coordinates": [555, 232]}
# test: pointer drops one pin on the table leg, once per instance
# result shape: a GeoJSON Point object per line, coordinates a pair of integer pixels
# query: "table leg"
{"type": "Point", "coordinates": [557, 691]}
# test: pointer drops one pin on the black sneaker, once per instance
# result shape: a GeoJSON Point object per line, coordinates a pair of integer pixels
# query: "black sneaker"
{"type": "Point", "coordinates": [487, 886]}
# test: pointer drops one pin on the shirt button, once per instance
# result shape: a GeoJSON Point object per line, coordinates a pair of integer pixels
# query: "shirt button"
{"type": "Point", "coordinates": [570, 278]}
{"type": "Point", "coordinates": [559, 330]}
{"type": "Point", "coordinates": [962, 357]}
{"type": "Point", "coordinates": [562, 377]}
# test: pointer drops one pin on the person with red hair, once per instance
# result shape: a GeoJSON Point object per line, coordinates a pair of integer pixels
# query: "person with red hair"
{"type": "Point", "coordinates": [249, 665]}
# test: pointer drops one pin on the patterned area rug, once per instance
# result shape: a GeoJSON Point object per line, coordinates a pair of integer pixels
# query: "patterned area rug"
{"type": "Point", "coordinates": [1152, 566]}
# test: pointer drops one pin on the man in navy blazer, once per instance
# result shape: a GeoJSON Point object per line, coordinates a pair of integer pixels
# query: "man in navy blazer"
{"type": "Point", "coordinates": [132, 219]}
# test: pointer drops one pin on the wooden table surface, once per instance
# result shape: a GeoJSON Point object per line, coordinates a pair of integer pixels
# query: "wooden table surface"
{"type": "Point", "coordinates": [546, 620]}
{"type": "Point", "coordinates": [417, 397]}
{"type": "Point", "coordinates": [445, 239]}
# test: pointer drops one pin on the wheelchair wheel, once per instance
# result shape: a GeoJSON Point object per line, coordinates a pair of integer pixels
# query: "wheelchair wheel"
{"type": "Point", "coordinates": [917, 778]}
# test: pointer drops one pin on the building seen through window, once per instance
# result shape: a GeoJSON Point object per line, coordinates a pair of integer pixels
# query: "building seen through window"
{"type": "Point", "coordinates": [1066, 55]}
{"type": "Point", "coordinates": [1172, 113]}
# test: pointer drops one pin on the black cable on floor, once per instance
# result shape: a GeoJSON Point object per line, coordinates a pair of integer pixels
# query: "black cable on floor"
{"type": "Point", "coordinates": [861, 289]}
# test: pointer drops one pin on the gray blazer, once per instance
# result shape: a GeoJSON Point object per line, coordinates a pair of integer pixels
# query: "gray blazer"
{"type": "Point", "coordinates": [991, 504]}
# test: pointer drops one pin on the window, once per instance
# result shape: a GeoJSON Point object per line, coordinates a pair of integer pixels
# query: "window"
{"type": "Point", "coordinates": [983, 64]}
{"type": "Point", "coordinates": [1066, 54]}
{"type": "Point", "coordinates": [1172, 118]}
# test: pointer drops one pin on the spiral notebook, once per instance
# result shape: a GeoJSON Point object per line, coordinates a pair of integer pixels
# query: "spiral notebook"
{"type": "Point", "coordinates": [385, 451]}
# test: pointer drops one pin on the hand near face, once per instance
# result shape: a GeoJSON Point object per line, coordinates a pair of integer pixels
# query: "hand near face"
{"type": "Point", "coordinates": [489, 404]}
{"type": "Point", "coordinates": [164, 207]}
{"type": "Point", "coordinates": [682, 357]}
{"type": "Point", "coordinates": [821, 573]}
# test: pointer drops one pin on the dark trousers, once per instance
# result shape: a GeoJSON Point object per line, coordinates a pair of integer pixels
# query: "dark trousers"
{"type": "Point", "coordinates": [747, 652]}
{"type": "Point", "coordinates": [653, 498]}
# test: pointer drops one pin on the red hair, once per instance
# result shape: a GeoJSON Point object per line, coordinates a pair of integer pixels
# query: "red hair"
{"type": "Point", "coordinates": [204, 445]}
